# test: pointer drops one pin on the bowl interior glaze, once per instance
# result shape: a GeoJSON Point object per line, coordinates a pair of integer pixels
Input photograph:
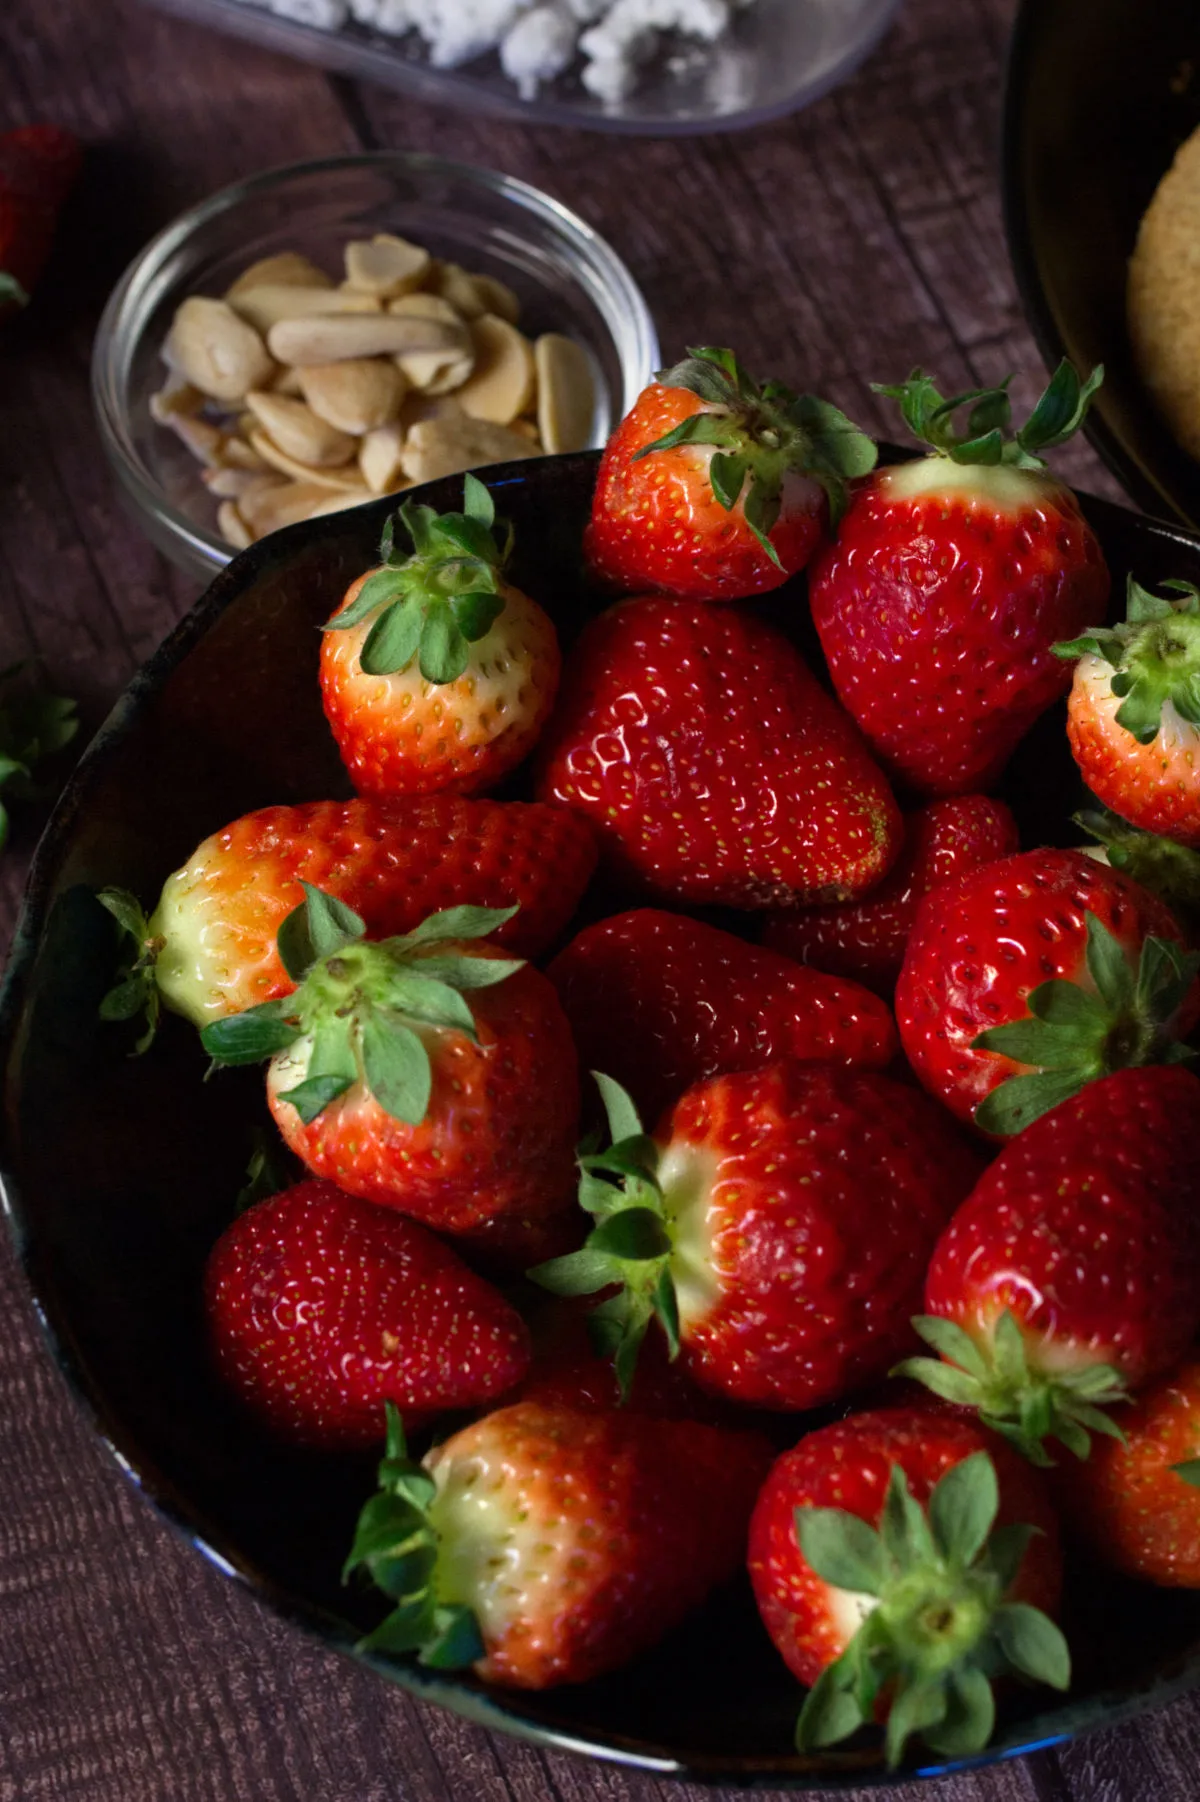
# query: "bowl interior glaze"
{"type": "Point", "coordinates": [119, 1173]}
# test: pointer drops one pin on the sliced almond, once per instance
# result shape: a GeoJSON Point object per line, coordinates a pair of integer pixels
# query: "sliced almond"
{"type": "Point", "coordinates": [423, 406]}
{"type": "Point", "coordinates": [283, 505]}
{"type": "Point", "coordinates": [435, 371]}
{"type": "Point", "coordinates": [230, 483]}
{"type": "Point", "coordinates": [299, 432]}
{"type": "Point", "coordinates": [289, 269]}
{"type": "Point", "coordinates": [355, 396]}
{"type": "Point", "coordinates": [527, 429]}
{"type": "Point", "coordinates": [233, 527]}
{"type": "Point", "coordinates": [265, 305]}
{"type": "Point", "coordinates": [216, 351]}
{"type": "Point", "coordinates": [342, 479]}
{"type": "Point", "coordinates": [463, 291]}
{"type": "Point", "coordinates": [497, 298]}
{"type": "Point", "coordinates": [205, 440]}
{"type": "Point", "coordinates": [287, 381]}
{"type": "Point", "coordinates": [566, 394]}
{"type": "Point", "coordinates": [386, 266]}
{"type": "Point", "coordinates": [454, 442]}
{"type": "Point", "coordinates": [333, 339]}
{"type": "Point", "coordinates": [236, 453]}
{"type": "Point", "coordinates": [338, 503]}
{"type": "Point", "coordinates": [379, 457]}
{"type": "Point", "coordinates": [500, 388]}
{"type": "Point", "coordinates": [175, 396]}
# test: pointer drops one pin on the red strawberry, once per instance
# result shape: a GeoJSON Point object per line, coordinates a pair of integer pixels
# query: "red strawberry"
{"type": "Point", "coordinates": [547, 1545]}
{"type": "Point", "coordinates": [901, 1560]}
{"type": "Point", "coordinates": [715, 488]}
{"type": "Point", "coordinates": [1071, 1271]}
{"type": "Point", "coordinates": [659, 1001]}
{"type": "Point", "coordinates": [321, 1308]}
{"type": "Point", "coordinates": [435, 671]}
{"type": "Point", "coordinates": [866, 939]}
{"type": "Point", "coordinates": [1027, 978]}
{"type": "Point", "coordinates": [778, 1228]}
{"type": "Point", "coordinates": [1133, 717]}
{"type": "Point", "coordinates": [1136, 1499]}
{"type": "Point", "coordinates": [567, 1371]}
{"type": "Point", "coordinates": [208, 949]}
{"type": "Point", "coordinates": [712, 765]}
{"type": "Point", "coordinates": [386, 1080]}
{"type": "Point", "coordinates": [950, 581]}
{"type": "Point", "coordinates": [38, 167]}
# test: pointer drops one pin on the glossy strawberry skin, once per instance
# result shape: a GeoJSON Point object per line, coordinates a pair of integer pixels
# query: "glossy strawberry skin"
{"type": "Point", "coordinates": [980, 944]}
{"type": "Point", "coordinates": [674, 1498]}
{"type": "Point", "coordinates": [401, 735]}
{"type": "Point", "coordinates": [394, 862]}
{"type": "Point", "coordinates": [321, 1308]}
{"type": "Point", "coordinates": [711, 764]}
{"type": "Point", "coordinates": [659, 1002]}
{"type": "Point", "coordinates": [499, 1134]}
{"type": "Point", "coordinates": [656, 525]}
{"type": "Point", "coordinates": [38, 167]}
{"type": "Point", "coordinates": [1086, 1229]}
{"type": "Point", "coordinates": [847, 1465]}
{"type": "Point", "coordinates": [1154, 786]}
{"type": "Point", "coordinates": [1137, 1513]}
{"type": "Point", "coordinates": [937, 607]}
{"type": "Point", "coordinates": [865, 940]}
{"type": "Point", "coordinates": [814, 1197]}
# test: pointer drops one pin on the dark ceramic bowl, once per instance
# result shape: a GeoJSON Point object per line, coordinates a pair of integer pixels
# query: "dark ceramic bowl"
{"type": "Point", "coordinates": [1100, 95]}
{"type": "Point", "coordinates": [119, 1173]}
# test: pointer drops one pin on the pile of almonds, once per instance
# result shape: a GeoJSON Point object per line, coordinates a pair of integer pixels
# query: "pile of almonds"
{"type": "Point", "coordinates": [302, 396]}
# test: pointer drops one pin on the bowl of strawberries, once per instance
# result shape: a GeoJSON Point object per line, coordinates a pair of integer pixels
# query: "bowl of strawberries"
{"type": "Point", "coordinates": [691, 1248]}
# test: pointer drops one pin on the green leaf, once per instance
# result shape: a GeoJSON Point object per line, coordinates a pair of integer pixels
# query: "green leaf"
{"type": "Point", "coordinates": [459, 923]}
{"type": "Point", "coordinates": [903, 1526]}
{"type": "Point", "coordinates": [383, 586]}
{"type": "Point", "coordinates": [1108, 966]}
{"type": "Point", "coordinates": [127, 911]}
{"type": "Point", "coordinates": [1006, 1552]}
{"type": "Point", "coordinates": [830, 1712]}
{"type": "Point", "coordinates": [1065, 1005]}
{"type": "Point", "coordinates": [624, 1121]}
{"type": "Point", "coordinates": [708, 374]}
{"type": "Point", "coordinates": [952, 1342]}
{"type": "Point", "coordinates": [444, 653]}
{"type": "Point", "coordinates": [842, 1549]}
{"type": "Point", "coordinates": [1032, 1644]}
{"type": "Point", "coordinates": [761, 510]}
{"type": "Point", "coordinates": [698, 428]}
{"type": "Point", "coordinates": [970, 1717]}
{"type": "Point", "coordinates": [311, 1097]}
{"type": "Point", "coordinates": [468, 972]}
{"type": "Point", "coordinates": [916, 1707]}
{"type": "Point", "coordinates": [942, 1379]}
{"type": "Point", "coordinates": [250, 1037]}
{"type": "Point", "coordinates": [477, 502]}
{"type": "Point", "coordinates": [963, 1506]}
{"type": "Point", "coordinates": [634, 1234]}
{"type": "Point", "coordinates": [397, 1068]}
{"type": "Point", "coordinates": [727, 474]}
{"type": "Point", "coordinates": [475, 614]}
{"type": "Point", "coordinates": [1015, 1104]}
{"type": "Point", "coordinates": [1008, 1351]}
{"type": "Point", "coordinates": [578, 1273]}
{"type": "Point", "coordinates": [1189, 1470]}
{"type": "Point", "coordinates": [268, 1171]}
{"type": "Point", "coordinates": [457, 1641]}
{"type": "Point", "coordinates": [331, 924]}
{"type": "Point", "coordinates": [11, 290]}
{"type": "Point", "coordinates": [1031, 1040]}
{"type": "Point", "coordinates": [666, 1309]}
{"type": "Point", "coordinates": [1062, 408]}
{"type": "Point", "coordinates": [412, 995]}
{"type": "Point", "coordinates": [126, 999]}
{"type": "Point", "coordinates": [393, 640]}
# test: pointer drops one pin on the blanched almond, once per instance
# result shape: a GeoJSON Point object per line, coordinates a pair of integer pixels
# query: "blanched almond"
{"type": "Point", "coordinates": [497, 298]}
{"type": "Point", "coordinates": [283, 505]}
{"type": "Point", "coordinates": [347, 477]}
{"type": "Point", "coordinates": [175, 396]}
{"type": "Point", "coordinates": [454, 442]}
{"type": "Point", "coordinates": [379, 458]}
{"type": "Point", "coordinates": [474, 295]}
{"type": "Point", "coordinates": [386, 266]}
{"type": "Point", "coordinates": [216, 351]}
{"type": "Point", "coordinates": [230, 483]}
{"type": "Point", "coordinates": [265, 305]}
{"type": "Point", "coordinates": [357, 395]}
{"type": "Point", "coordinates": [205, 440]}
{"type": "Point", "coordinates": [287, 381]}
{"type": "Point", "coordinates": [500, 387]}
{"type": "Point", "coordinates": [236, 453]}
{"type": "Point", "coordinates": [566, 394]}
{"type": "Point", "coordinates": [299, 432]}
{"type": "Point", "coordinates": [338, 503]}
{"type": "Point", "coordinates": [288, 269]}
{"type": "Point", "coordinates": [334, 339]}
{"type": "Point", "coordinates": [232, 526]}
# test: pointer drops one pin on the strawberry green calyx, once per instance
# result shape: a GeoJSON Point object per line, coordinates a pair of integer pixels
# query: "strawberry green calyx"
{"type": "Point", "coordinates": [11, 290]}
{"type": "Point", "coordinates": [1074, 1034]}
{"type": "Point", "coordinates": [1155, 657]}
{"type": "Point", "coordinates": [988, 438]}
{"type": "Point", "coordinates": [1169, 870]}
{"type": "Point", "coordinates": [396, 1544]}
{"type": "Point", "coordinates": [135, 991]}
{"type": "Point", "coordinates": [367, 1008]}
{"type": "Point", "coordinates": [760, 435]}
{"type": "Point", "coordinates": [630, 1245]}
{"type": "Point", "coordinates": [434, 602]}
{"type": "Point", "coordinates": [939, 1630]}
{"type": "Point", "coordinates": [1024, 1404]}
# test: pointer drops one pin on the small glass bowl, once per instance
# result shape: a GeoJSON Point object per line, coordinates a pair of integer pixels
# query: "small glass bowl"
{"type": "Point", "coordinates": [566, 277]}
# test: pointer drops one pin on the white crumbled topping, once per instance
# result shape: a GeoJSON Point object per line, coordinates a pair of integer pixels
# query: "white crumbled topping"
{"type": "Point", "coordinates": [540, 46]}
{"type": "Point", "coordinates": [328, 15]}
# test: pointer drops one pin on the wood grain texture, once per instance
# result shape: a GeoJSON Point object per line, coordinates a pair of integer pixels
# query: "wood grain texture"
{"type": "Point", "coordinates": [841, 246]}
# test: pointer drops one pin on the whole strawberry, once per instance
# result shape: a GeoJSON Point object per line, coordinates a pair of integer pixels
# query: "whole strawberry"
{"type": "Point", "coordinates": [866, 939]}
{"type": "Point", "coordinates": [710, 762]}
{"type": "Point", "coordinates": [715, 488]}
{"type": "Point", "coordinates": [1133, 717]}
{"type": "Point", "coordinates": [1137, 1498]}
{"type": "Point", "coordinates": [425, 1072]}
{"type": "Point", "coordinates": [1034, 975]}
{"type": "Point", "coordinates": [435, 671]}
{"type": "Point", "coordinates": [38, 168]}
{"type": "Point", "coordinates": [321, 1308]}
{"type": "Point", "coordinates": [659, 1001]}
{"type": "Point", "coordinates": [209, 949]}
{"type": "Point", "coordinates": [548, 1545]}
{"type": "Point", "coordinates": [951, 580]}
{"type": "Point", "coordinates": [1071, 1273]}
{"type": "Point", "coordinates": [902, 1560]}
{"type": "Point", "coordinates": [777, 1227]}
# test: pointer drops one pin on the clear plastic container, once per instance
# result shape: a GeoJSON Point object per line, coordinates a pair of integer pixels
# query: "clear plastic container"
{"type": "Point", "coordinates": [566, 277]}
{"type": "Point", "coordinates": [779, 56]}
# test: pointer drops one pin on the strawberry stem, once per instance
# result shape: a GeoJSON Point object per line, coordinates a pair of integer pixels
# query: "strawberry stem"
{"type": "Point", "coordinates": [987, 438]}
{"type": "Point", "coordinates": [1169, 870]}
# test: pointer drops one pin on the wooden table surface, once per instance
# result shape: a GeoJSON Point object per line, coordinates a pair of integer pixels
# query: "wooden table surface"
{"type": "Point", "coordinates": [837, 247]}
